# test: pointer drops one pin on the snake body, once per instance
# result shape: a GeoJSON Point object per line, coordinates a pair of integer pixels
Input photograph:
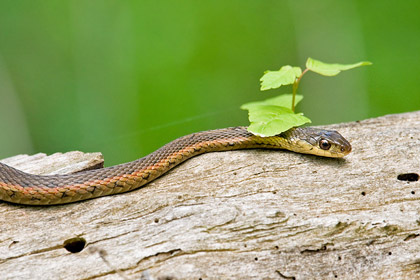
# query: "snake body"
{"type": "Point", "coordinates": [23, 188]}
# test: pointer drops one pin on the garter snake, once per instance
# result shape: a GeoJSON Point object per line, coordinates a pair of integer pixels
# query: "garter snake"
{"type": "Point", "coordinates": [23, 188]}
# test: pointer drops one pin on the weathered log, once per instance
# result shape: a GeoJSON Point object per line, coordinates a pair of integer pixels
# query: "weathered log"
{"type": "Point", "coordinates": [57, 163]}
{"type": "Point", "coordinates": [253, 214]}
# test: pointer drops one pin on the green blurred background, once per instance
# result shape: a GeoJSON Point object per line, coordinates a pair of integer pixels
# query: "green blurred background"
{"type": "Point", "coordinates": [125, 77]}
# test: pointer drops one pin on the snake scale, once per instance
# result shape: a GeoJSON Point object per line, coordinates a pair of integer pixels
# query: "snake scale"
{"type": "Point", "coordinates": [23, 188]}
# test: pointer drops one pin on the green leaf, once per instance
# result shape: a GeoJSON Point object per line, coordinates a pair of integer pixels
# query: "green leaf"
{"type": "Point", "coordinates": [284, 100]}
{"type": "Point", "coordinates": [331, 69]}
{"type": "Point", "coordinates": [275, 79]}
{"type": "Point", "coordinates": [270, 120]}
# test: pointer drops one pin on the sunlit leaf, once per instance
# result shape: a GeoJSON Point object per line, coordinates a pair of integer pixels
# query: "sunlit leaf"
{"type": "Point", "coordinates": [270, 120]}
{"type": "Point", "coordinates": [331, 69]}
{"type": "Point", "coordinates": [284, 100]}
{"type": "Point", "coordinates": [275, 79]}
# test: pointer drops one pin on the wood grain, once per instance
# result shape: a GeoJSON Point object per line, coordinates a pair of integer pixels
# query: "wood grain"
{"type": "Point", "coordinates": [251, 214]}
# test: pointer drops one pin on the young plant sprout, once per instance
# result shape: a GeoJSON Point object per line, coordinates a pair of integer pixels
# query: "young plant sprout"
{"type": "Point", "coordinates": [276, 115]}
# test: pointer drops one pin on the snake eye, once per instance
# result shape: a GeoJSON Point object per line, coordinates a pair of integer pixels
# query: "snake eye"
{"type": "Point", "coordinates": [324, 144]}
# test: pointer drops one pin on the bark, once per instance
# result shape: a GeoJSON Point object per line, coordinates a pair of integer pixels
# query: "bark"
{"type": "Point", "coordinates": [253, 214]}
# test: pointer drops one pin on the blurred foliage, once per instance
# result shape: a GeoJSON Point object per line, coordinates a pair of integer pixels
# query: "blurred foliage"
{"type": "Point", "coordinates": [125, 77]}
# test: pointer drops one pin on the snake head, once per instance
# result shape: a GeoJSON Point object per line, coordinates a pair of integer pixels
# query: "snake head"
{"type": "Point", "coordinates": [327, 143]}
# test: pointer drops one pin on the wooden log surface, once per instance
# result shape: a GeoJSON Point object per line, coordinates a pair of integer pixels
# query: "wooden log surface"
{"type": "Point", "coordinates": [253, 214]}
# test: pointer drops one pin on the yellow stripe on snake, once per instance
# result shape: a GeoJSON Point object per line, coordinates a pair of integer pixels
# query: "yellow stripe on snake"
{"type": "Point", "coordinates": [23, 188]}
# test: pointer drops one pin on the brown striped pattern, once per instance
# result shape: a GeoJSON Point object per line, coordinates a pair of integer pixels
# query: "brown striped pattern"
{"type": "Point", "coordinates": [23, 188]}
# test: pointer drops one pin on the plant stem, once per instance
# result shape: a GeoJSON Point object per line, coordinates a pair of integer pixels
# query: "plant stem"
{"type": "Point", "coordinates": [295, 84]}
{"type": "Point", "coordinates": [295, 87]}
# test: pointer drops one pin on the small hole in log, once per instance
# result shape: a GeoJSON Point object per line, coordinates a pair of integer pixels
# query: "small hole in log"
{"type": "Point", "coordinates": [413, 192]}
{"type": "Point", "coordinates": [74, 245]}
{"type": "Point", "coordinates": [363, 193]}
{"type": "Point", "coordinates": [156, 220]}
{"type": "Point", "coordinates": [390, 253]}
{"type": "Point", "coordinates": [256, 259]}
{"type": "Point", "coordinates": [410, 177]}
